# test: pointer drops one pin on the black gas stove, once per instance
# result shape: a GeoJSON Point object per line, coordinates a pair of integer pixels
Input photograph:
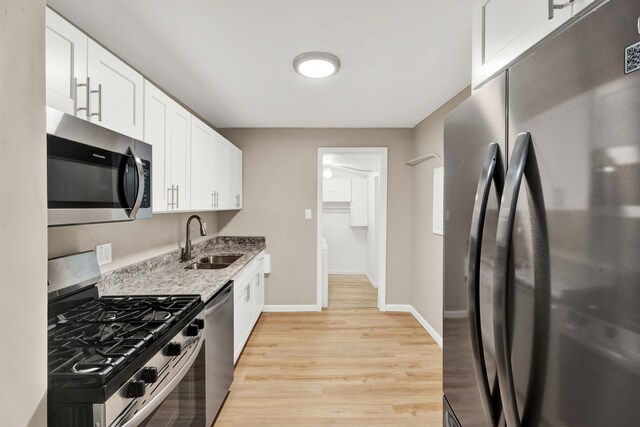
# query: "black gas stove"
{"type": "Point", "coordinates": [95, 341]}
{"type": "Point", "coordinates": [113, 361]}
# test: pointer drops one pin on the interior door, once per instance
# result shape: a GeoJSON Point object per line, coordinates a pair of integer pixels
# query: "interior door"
{"type": "Point", "coordinates": [572, 310]}
{"type": "Point", "coordinates": [469, 131]}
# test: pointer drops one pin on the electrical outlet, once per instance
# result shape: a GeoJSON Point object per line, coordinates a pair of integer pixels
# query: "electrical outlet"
{"type": "Point", "coordinates": [103, 253]}
{"type": "Point", "coordinates": [308, 214]}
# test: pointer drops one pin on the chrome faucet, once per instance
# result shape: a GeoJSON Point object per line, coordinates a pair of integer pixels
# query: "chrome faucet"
{"type": "Point", "coordinates": [186, 251]}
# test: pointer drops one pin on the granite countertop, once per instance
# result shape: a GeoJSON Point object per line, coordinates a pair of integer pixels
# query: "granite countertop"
{"type": "Point", "coordinates": [165, 274]}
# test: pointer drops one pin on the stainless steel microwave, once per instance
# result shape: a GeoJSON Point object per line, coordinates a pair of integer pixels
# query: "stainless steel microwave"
{"type": "Point", "coordinates": [94, 174]}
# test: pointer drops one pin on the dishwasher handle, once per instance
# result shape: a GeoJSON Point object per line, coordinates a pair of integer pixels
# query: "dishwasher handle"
{"type": "Point", "coordinates": [215, 303]}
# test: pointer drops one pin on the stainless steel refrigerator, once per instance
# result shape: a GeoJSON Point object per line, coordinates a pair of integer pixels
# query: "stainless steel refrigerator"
{"type": "Point", "coordinates": [542, 235]}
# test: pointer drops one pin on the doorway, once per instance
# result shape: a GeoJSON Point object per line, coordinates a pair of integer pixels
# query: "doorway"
{"type": "Point", "coordinates": [352, 225]}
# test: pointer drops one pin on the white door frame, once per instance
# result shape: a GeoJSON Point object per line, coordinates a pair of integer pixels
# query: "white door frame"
{"type": "Point", "coordinates": [383, 152]}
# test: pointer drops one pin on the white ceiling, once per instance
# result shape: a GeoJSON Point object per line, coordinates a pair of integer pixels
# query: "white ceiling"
{"type": "Point", "coordinates": [231, 60]}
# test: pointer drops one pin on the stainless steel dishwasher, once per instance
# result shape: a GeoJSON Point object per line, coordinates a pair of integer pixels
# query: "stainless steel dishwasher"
{"type": "Point", "coordinates": [219, 349]}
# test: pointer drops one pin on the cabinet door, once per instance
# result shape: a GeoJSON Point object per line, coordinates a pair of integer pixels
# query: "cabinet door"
{"type": "Point", "coordinates": [201, 184]}
{"type": "Point", "coordinates": [116, 93]}
{"type": "Point", "coordinates": [261, 291]}
{"type": "Point", "coordinates": [239, 330]}
{"type": "Point", "coordinates": [235, 176]}
{"type": "Point", "coordinates": [221, 173]}
{"type": "Point", "coordinates": [66, 65]}
{"type": "Point", "coordinates": [358, 208]}
{"type": "Point", "coordinates": [180, 155]}
{"type": "Point", "coordinates": [503, 30]}
{"type": "Point", "coordinates": [157, 132]}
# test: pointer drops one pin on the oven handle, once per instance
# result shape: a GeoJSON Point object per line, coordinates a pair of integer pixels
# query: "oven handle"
{"type": "Point", "coordinates": [162, 394]}
{"type": "Point", "coordinates": [140, 169]}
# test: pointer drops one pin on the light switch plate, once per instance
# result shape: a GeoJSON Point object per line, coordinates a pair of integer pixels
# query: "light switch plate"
{"type": "Point", "coordinates": [103, 253]}
{"type": "Point", "coordinates": [308, 214]}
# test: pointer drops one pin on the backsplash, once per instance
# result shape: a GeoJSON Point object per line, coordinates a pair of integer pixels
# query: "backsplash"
{"type": "Point", "coordinates": [131, 241]}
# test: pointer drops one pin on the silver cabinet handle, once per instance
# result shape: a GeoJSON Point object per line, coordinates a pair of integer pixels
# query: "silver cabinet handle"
{"type": "Point", "coordinates": [99, 92]}
{"type": "Point", "coordinates": [237, 200]}
{"type": "Point", "coordinates": [87, 90]}
{"type": "Point", "coordinates": [248, 296]}
{"type": "Point", "coordinates": [553, 6]}
{"type": "Point", "coordinates": [492, 171]}
{"type": "Point", "coordinates": [177, 196]}
{"type": "Point", "coordinates": [213, 204]}
{"type": "Point", "coordinates": [523, 163]}
{"type": "Point", "coordinates": [140, 169]}
{"type": "Point", "coordinates": [169, 191]}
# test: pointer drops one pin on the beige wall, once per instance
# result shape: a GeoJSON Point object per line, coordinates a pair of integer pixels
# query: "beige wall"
{"type": "Point", "coordinates": [280, 182]}
{"type": "Point", "coordinates": [23, 234]}
{"type": "Point", "coordinates": [427, 249]}
{"type": "Point", "coordinates": [130, 241]}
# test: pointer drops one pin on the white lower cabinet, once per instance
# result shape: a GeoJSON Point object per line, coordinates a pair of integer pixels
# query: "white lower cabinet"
{"type": "Point", "coordinates": [248, 287]}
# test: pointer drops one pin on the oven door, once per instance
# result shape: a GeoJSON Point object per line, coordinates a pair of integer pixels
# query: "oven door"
{"type": "Point", "coordinates": [95, 175]}
{"type": "Point", "coordinates": [182, 402]}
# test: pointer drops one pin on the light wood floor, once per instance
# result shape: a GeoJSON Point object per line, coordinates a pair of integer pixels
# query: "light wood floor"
{"type": "Point", "coordinates": [351, 291]}
{"type": "Point", "coordinates": [340, 367]}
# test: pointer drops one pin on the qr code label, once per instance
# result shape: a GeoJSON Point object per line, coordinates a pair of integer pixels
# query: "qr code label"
{"type": "Point", "coordinates": [632, 58]}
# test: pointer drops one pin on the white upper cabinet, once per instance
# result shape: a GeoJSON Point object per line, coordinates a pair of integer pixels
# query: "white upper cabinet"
{"type": "Point", "coordinates": [86, 80]}
{"type": "Point", "coordinates": [167, 127]}
{"type": "Point", "coordinates": [66, 65]}
{"type": "Point", "coordinates": [503, 30]}
{"type": "Point", "coordinates": [221, 173]}
{"type": "Point", "coordinates": [201, 185]}
{"type": "Point", "coordinates": [116, 93]}
{"type": "Point", "coordinates": [235, 186]}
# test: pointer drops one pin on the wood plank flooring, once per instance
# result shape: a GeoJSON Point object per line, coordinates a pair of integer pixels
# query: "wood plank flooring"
{"type": "Point", "coordinates": [340, 367]}
{"type": "Point", "coordinates": [351, 291]}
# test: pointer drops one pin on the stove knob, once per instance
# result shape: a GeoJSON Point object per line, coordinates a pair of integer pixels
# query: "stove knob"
{"type": "Point", "coordinates": [174, 349]}
{"type": "Point", "coordinates": [149, 375]}
{"type": "Point", "coordinates": [192, 330]}
{"type": "Point", "coordinates": [135, 389]}
{"type": "Point", "coordinates": [199, 323]}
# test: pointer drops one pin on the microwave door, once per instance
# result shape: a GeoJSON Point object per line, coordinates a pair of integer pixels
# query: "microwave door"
{"type": "Point", "coordinates": [85, 183]}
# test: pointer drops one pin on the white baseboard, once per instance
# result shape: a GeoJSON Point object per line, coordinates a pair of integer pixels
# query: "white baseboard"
{"type": "Point", "coordinates": [289, 308]}
{"type": "Point", "coordinates": [373, 283]}
{"type": "Point", "coordinates": [401, 308]}
{"type": "Point", "coordinates": [434, 334]}
{"type": "Point", "coordinates": [408, 308]}
{"type": "Point", "coordinates": [348, 272]}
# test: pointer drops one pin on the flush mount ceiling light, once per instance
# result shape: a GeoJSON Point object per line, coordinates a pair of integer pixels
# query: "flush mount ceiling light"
{"type": "Point", "coordinates": [327, 173]}
{"type": "Point", "coordinates": [316, 65]}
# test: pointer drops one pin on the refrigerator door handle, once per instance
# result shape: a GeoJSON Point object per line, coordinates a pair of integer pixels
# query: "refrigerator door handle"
{"type": "Point", "coordinates": [523, 163]}
{"type": "Point", "coordinates": [504, 234]}
{"type": "Point", "coordinates": [491, 172]}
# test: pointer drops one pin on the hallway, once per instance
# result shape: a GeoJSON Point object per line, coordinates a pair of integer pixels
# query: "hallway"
{"type": "Point", "coordinates": [351, 291]}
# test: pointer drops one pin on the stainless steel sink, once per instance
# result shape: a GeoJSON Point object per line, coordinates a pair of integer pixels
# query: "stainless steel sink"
{"type": "Point", "coordinates": [213, 262]}
{"type": "Point", "coordinates": [206, 266]}
{"type": "Point", "coordinates": [219, 259]}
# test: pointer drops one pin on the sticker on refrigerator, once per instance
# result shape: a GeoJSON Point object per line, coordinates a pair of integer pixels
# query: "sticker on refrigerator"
{"type": "Point", "coordinates": [632, 58]}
